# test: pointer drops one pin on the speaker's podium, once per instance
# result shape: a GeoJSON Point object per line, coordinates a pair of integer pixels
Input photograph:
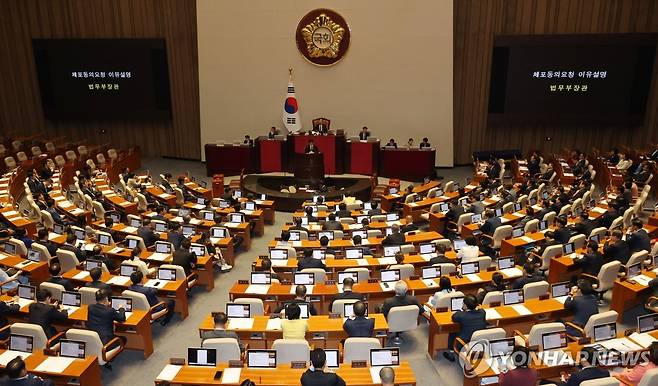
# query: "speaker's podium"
{"type": "Point", "coordinates": [309, 168]}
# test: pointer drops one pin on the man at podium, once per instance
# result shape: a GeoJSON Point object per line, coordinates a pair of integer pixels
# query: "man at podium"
{"type": "Point", "coordinates": [311, 148]}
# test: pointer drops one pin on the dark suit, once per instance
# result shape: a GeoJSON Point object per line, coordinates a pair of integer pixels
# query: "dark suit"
{"type": "Point", "coordinates": [490, 225]}
{"type": "Point", "coordinates": [582, 307]}
{"type": "Point", "coordinates": [618, 251]}
{"type": "Point", "coordinates": [185, 259]}
{"type": "Point", "coordinates": [359, 327]}
{"type": "Point", "coordinates": [175, 238]}
{"type": "Point", "coordinates": [309, 262]}
{"type": "Point", "coordinates": [394, 239]}
{"type": "Point", "coordinates": [45, 315]}
{"type": "Point", "coordinates": [523, 280]}
{"type": "Point", "coordinates": [6, 309]}
{"type": "Point", "coordinates": [638, 241]}
{"type": "Point", "coordinates": [101, 319]}
{"type": "Point", "coordinates": [440, 259]}
{"type": "Point", "coordinates": [606, 219]}
{"type": "Point", "coordinates": [590, 263]}
{"type": "Point", "coordinates": [311, 308]}
{"type": "Point", "coordinates": [364, 136]}
{"type": "Point", "coordinates": [344, 213]}
{"type": "Point", "coordinates": [397, 301]}
{"type": "Point", "coordinates": [454, 213]}
{"type": "Point", "coordinates": [409, 228]}
{"type": "Point", "coordinates": [63, 282]}
{"type": "Point", "coordinates": [332, 226]}
{"type": "Point", "coordinates": [347, 295]}
{"type": "Point", "coordinates": [152, 297]}
{"type": "Point", "coordinates": [29, 380]}
{"type": "Point", "coordinates": [79, 253]}
{"type": "Point", "coordinates": [586, 374]}
{"type": "Point", "coordinates": [562, 235]}
{"type": "Point", "coordinates": [320, 378]}
{"type": "Point", "coordinates": [52, 248]}
{"type": "Point", "coordinates": [147, 235]}
{"type": "Point", "coordinates": [374, 212]}
{"type": "Point", "coordinates": [310, 148]}
{"type": "Point", "coordinates": [55, 215]}
{"type": "Point", "coordinates": [494, 170]}
{"type": "Point", "coordinates": [469, 322]}
{"type": "Point", "coordinates": [583, 227]}
{"type": "Point", "coordinates": [105, 260]}
{"type": "Point", "coordinates": [100, 285]}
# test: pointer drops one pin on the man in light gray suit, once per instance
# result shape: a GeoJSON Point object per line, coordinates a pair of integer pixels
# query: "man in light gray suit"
{"type": "Point", "coordinates": [220, 330]}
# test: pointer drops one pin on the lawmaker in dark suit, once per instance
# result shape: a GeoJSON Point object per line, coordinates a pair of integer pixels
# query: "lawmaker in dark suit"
{"type": "Point", "coordinates": [409, 226]}
{"type": "Point", "coordinates": [616, 249]}
{"type": "Point", "coordinates": [454, 212]}
{"type": "Point", "coordinates": [395, 238]}
{"type": "Point", "coordinates": [96, 282]}
{"type": "Point", "coordinates": [101, 317]}
{"type": "Point", "coordinates": [491, 223]}
{"type": "Point", "coordinates": [584, 225]}
{"type": "Point", "coordinates": [400, 299]}
{"type": "Point", "coordinates": [638, 239]}
{"type": "Point", "coordinates": [42, 238]}
{"type": "Point", "coordinates": [343, 211]}
{"type": "Point", "coordinates": [184, 257]}
{"type": "Point", "coordinates": [374, 209]}
{"type": "Point", "coordinates": [300, 297]}
{"type": "Point", "coordinates": [220, 331]}
{"type": "Point", "coordinates": [331, 224]}
{"type": "Point", "coordinates": [364, 134]}
{"type": "Point", "coordinates": [562, 234]}
{"type": "Point", "coordinates": [311, 147]}
{"type": "Point", "coordinates": [347, 293]}
{"type": "Point", "coordinates": [18, 375]}
{"type": "Point", "coordinates": [175, 236]}
{"type": "Point", "coordinates": [70, 246]}
{"type": "Point", "coordinates": [7, 309]}
{"type": "Point", "coordinates": [529, 276]}
{"type": "Point", "coordinates": [147, 234]}
{"type": "Point", "coordinates": [359, 326]}
{"type": "Point", "coordinates": [307, 261]}
{"type": "Point", "coordinates": [45, 314]}
{"type": "Point", "coordinates": [471, 319]}
{"type": "Point", "coordinates": [152, 296]}
{"type": "Point", "coordinates": [316, 376]}
{"type": "Point", "coordinates": [592, 261]}
{"type": "Point", "coordinates": [589, 371]}
{"type": "Point", "coordinates": [583, 302]}
{"type": "Point", "coordinates": [98, 255]}
{"type": "Point", "coordinates": [55, 272]}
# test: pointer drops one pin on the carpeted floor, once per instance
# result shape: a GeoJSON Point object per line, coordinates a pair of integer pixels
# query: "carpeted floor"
{"type": "Point", "coordinates": [172, 341]}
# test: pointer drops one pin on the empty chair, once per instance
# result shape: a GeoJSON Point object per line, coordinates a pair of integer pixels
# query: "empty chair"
{"type": "Point", "coordinates": [358, 349]}
{"type": "Point", "coordinates": [291, 350]}
{"type": "Point", "coordinates": [60, 161]}
{"type": "Point", "coordinates": [627, 217]}
{"type": "Point", "coordinates": [20, 246]}
{"type": "Point", "coordinates": [44, 254]}
{"type": "Point", "coordinates": [157, 311]}
{"type": "Point", "coordinates": [449, 187]}
{"type": "Point", "coordinates": [407, 249]}
{"type": "Point", "coordinates": [378, 218]}
{"type": "Point", "coordinates": [67, 260]}
{"type": "Point", "coordinates": [578, 241]}
{"type": "Point", "coordinates": [112, 153]}
{"type": "Point", "coordinates": [617, 223]}
{"type": "Point", "coordinates": [492, 297]}
{"type": "Point", "coordinates": [256, 307]}
{"type": "Point", "coordinates": [565, 210]}
{"type": "Point", "coordinates": [576, 205]}
{"type": "Point", "coordinates": [372, 233]}
{"type": "Point", "coordinates": [508, 207]}
{"type": "Point", "coordinates": [501, 233]}
{"type": "Point", "coordinates": [549, 252]}
{"type": "Point", "coordinates": [70, 155]}
{"type": "Point", "coordinates": [17, 145]}
{"type": "Point", "coordinates": [432, 192]}
{"type": "Point", "coordinates": [446, 268]}
{"type": "Point", "coordinates": [319, 275]}
{"type": "Point", "coordinates": [637, 257]}
{"type": "Point", "coordinates": [406, 270]}
{"type": "Point", "coordinates": [56, 290]}
{"type": "Point", "coordinates": [444, 301]}
{"type": "Point", "coordinates": [91, 164]}
{"type": "Point", "coordinates": [484, 262]}
{"type": "Point", "coordinates": [531, 226]}
{"type": "Point", "coordinates": [100, 158]}
{"type": "Point", "coordinates": [462, 220]}
{"type": "Point", "coordinates": [82, 150]}
{"type": "Point", "coordinates": [10, 162]}
{"type": "Point", "coordinates": [180, 274]}
{"type": "Point", "coordinates": [94, 346]}
{"type": "Point", "coordinates": [549, 217]}
{"type": "Point", "coordinates": [142, 203]}
{"type": "Point", "coordinates": [39, 339]}
{"type": "Point", "coordinates": [606, 277]}
{"type": "Point", "coordinates": [47, 220]}
{"type": "Point", "coordinates": [88, 295]}
{"type": "Point", "coordinates": [410, 198]}
{"type": "Point", "coordinates": [400, 319]}
{"type": "Point", "coordinates": [50, 147]}
{"type": "Point", "coordinates": [180, 198]}
{"type": "Point", "coordinates": [535, 290]}
{"type": "Point", "coordinates": [435, 208]}
{"type": "Point", "coordinates": [227, 349]}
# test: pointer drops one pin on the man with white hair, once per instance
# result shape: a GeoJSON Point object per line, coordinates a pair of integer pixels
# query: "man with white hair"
{"type": "Point", "coordinates": [387, 375]}
{"type": "Point", "coordinates": [395, 238]}
{"type": "Point", "coordinates": [401, 299]}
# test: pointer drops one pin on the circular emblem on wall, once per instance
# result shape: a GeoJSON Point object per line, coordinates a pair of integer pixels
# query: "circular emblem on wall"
{"type": "Point", "coordinates": [323, 37]}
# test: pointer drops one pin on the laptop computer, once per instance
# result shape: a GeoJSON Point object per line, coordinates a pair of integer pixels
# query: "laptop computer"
{"type": "Point", "coordinates": [389, 275]}
{"type": "Point", "coordinates": [18, 342]}
{"type": "Point", "coordinates": [261, 358]}
{"type": "Point", "coordinates": [511, 297]}
{"type": "Point", "coordinates": [168, 274]}
{"type": "Point", "coordinates": [71, 349]}
{"type": "Point", "coordinates": [345, 274]}
{"type": "Point", "coordinates": [261, 278]}
{"type": "Point", "coordinates": [238, 310]}
{"type": "Point", "coordinates": [506, 262]}
{"type": "Point", "coordinates": [647, 323]}
{"type": "Point", "coordinates": [303, 278]}
{"type": "Point", "coordinates": [198, 356]}
{"type": "Point", "coordinates": [384, 357]}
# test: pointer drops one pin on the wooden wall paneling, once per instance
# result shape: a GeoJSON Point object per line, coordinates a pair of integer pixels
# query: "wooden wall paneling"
{"type": "Point", "coordinates": [476, 24]}
{"type": "Point", "coordinates": [172, 20]}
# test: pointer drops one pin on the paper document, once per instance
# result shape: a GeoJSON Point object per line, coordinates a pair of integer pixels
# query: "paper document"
{"type": "Point", "coordinates": [621, 345]}
{"type": "Point", "coordinates": [158, 256]}
{"type": "Point", "coordinates": [116, 250]}
{"type": "Point", "coordinates": [54, 364]}
{"type": "Point", "coordinates": [8, 355]}
{"type": "Point", "coordinates": [240, 323]}
{"type": "Point", "coordinates": [492, 314]}
{"type": "Point", "coordinates": [129, 230]}
{"type": "Point", "coordinates": [521, 309]}
{"type": "Point", "coordinates": [24, 302]}
{"type": "Point", "coordinates": [643, 339]}
{"type": "Point", "coordinates": [374, 374]}
{"type": "Point", "coordinates": [118, 280]}
{"type": "Point", "coordinates": [642, 280]}
{"type": "Point", "coordinates": [260, 289]}
{"type": "Point", "coordinates": [169, 373]}
{"type": "Point", "coordinates": [362, 262]}
{"type": "Point", "coordinates": [511, 272]}
{"type": "Point", "coordinates": [386, 260]}
{"type": "Point", "coordinates": [231, 375]}
{"type": "Point", "coordinates": [561, 299]}
{"type": "Point", "coordinates": [387, 287]}
{"type": "Point", "coordinates": [81, 275]}
{"type": "Point", "coordinates": [153, 283]}
{"type": "Point", "coordinates": [474, 277]}
{"type": "Point", "coordinates": [527, 239]}
{"type": "Point", "coordinates": [429, 282]}
{"type": "Point", "coordinates": [273, 324]}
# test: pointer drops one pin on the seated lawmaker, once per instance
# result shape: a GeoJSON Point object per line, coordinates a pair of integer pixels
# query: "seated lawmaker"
{"type": "Point", "coordinates": [633, 376]}
{"type": "Point", "coordinates": [359, 326]}
{"type": "Point", "coordinates": [395, 238]}
{"type": "Point", "coordinates": [364, 134]}
{"type": "Point", "coordinates": [96, 281]}
{"type": "Point", "coordinates": [440, 257]}
{"type": "Point", "coordinates": [530, 275]}
{"type": "Point", "coordinates": [300, 297]}
{"type": "Point", "coordinates": [308, 261]}
{"type": "Point", "coordinates": [152, 296]}
{"type": "Point", "coordinates": [316, 376]}
{"type": "Point", "coordinates": [589, 360]}
{"type": "Point", "coordinates": [470, 251]}
{"type": "Point", "coordinates": [56, 278]}
{"type": "Point", "coordinates": [637, 238]}
{"type": "Point", "coordinates": [592, 261]}
{"type": "Point", "coordinates": [471, 319]}
{"type": "Point", "coordinates": [18, 376]}
{"type": "Point", "coordinates": [347, 293]}
{"type": "Point", "coordinates": [219, 331]}
{"type": "Point", "coordinates": [311, 147]}
{"type": "Point", "coordinates": [583, 302]}
{"type": "Point", "coordinates": [400, 299]}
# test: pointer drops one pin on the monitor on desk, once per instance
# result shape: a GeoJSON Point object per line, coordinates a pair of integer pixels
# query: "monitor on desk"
{"type": "Point", "coordinates": [261, 278]}
{"type": "Point", "coordinates": [261, 358]}
{"type": "Point", "coordinates": [104, 239]}
{"type": "Point", "coordinates": [605, 331]}
{"type": "Point", "coordinates": [439, 192]}
{"type": "Point", "coordinates": [250, 205]}
{"type": "Point", "coordinates": [304, 220]}
{"type": "Point", "coordinates": [543, 225]}
{"type": "Point", "coordinates": [162, 247]}
{"type": "Point", "coordinates": [568, 249]}
{"type": "Point", "coordinates": [348, 309]}
{"type": "Point", "coordinates": [476, 218]}
{"type": "Point", "coordinates": [10, 248]}
{"type": "Point", "coordinates": [319, 254]}
{"type": "Point", "coordinates": [132, 243]}
{"type": "Point", "coordinates": [392, 217]}
{"type": "Point", "coordinates": [389, 275]}
{"type": "Point", "coordinates": [167, 274]}
{"type": "Point", "coordinates": [327, 234]}
{"type": "Point", "coordinates": [506, 262]}
{"type": "Point", "coordinates": [359, 219]}
{"type": "Point", "coordinates": [303, 309]}
{"type": "Point", "coordinates": [135, 222]}
{"type": "Point", "coordinates": [457, 303]}
{"type": "Point", "coordinates": [160, 226]}
{"type": "Point", "coordinates": [72, 349]}
{"type": "Point", "coordinates": [198, 356]}
{"type": "Point", "coordinates": [198, 249]}
{"type": "Point", "coordinates": [263, 196]}
{"type": "Point", "coordinates": [431, 272]}
{"type": "Point", "coordinates": [121, 302]}
{"type": "Point", "coordinates": [303, 278]}
{"type": "Point", "coordinates": [332, 356]}
{"type": "Point", "coordinates": [345, 274]}
{"type": "Point", "coordinates": [200, 201]}
{"type": "Point", "coordinates": [391, 250]}
{"type": "Point", "coordinates": [34, 255]}
{"type": "Point", "coordinates": [236, 218]}
{"type": "Point", "coordinates": [116, 218]}
{"type": "Point", "coordinates": [470, 268]}
{"type": "Point", "coordinates": [554, 340]}
{"type": "Point", "coordinates": [237, 310]}
{"type": "Point", "coordinates": [91, 264]}
{"type": "Point", "coordinates": [207, 215]}
{"type": "Point", "coordinates": [634, 270]}
{"type": "Point", "coordinates": [499, 212]}
{"type": "Point", "coordinates": [361, 233]}
{"type": "Point", "coordinates": [23, 343]}
{"type": "Point", "coordinates": [295, 236]}
{"type": "Point", "coordinates": [71, 299]}
{"type": "Point", "coordinates": [458, 244]}
{"type": "Point", "coordinates": [223, 204]}
{"type": "Point", "coordinates": [388, 231]}
{"type": "Point", "coordinates": [278, 254]}
{"type": "Point", "coordinates": [595, 238]}
{"type": "Point", "coordinates": [353, 253]}
{"type": "Point", "coordinates": [384, 357]}
{"type": "Point", "coordinates": [647, 323]}
{"type": "Point", "coordinates": [237, 194]}
{"type": "Point", "coordinates": [427, 248]}
{"type": "Point", "coordinates": [314, 208]}
{"type": "Point", "coordinates": [182, 212]}
{"type": "Point", "coordinates": [127, 270]}
{"type": "Point", "coordinates": [367, 205]}
{"type": "Point", "coordinates": [443, 207]}
{"type": "Point", "coordinates": [560, 289]}
{"type": "Point", "coordinates": [392, 190]}
{"type": "Point", "coordinates": [501, 347]}
{"type": "Point", "coordinates": [517, 207]}
{"type": "Point", "coordinates": [218, 233]}
{"type": "Point", "coordinates": [532, 201]}
{"type": "Point", "coordinates": [188, 230]}
{"type": "Point", "coordinates": [79, 234]}
{"type": "Point", "coordinates": [58, 228]}
{"type": "Point", "coordinates": [511, 297]}
{"type": "Point", "coordinates": [27, 292]}
{"type": "Point", "coordinates": [518, 232]}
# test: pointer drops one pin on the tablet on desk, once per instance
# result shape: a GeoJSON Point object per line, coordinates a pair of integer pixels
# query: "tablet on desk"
{"type": "Point", "coordinates": [458, 244]}
{"type": "Point", "coordinates": [218, 233]}
{"type": "Point", "coordinates": [470, 268]}
{"type": "Point", "coordinates": [91, 264]}
{"type": "Point", "coordinates": [278, 254]}
{"type": "Point", "coordinates": [431, 272]}
{"type": "Point", "coordinates": [71, 299]}
{"type": "Point", "coordinates": [457, 303]}
{"type": "Point", "coordinates": [345, 274]}
{"type": "Point", "coordinates": [121, 302]}
{"type": "Point", "coordinates": [198, 356]}
{"type": "Point", "coordinates": [560, 289]}
{"type": "Point", "coordinates": [261, 358]}
{"type": "Point", "coordinates": [261, 278]}
{"type": "Point", "coordinates": [132, 243]}
{"type": "Point", "coordinates": [568, 249]}
{"type": "Point", "coordinates": [303, 278]}
{"type": "Point", "coordinates": [389, 275]}
{"type": "Point", "coordinates": [353, 253]}
{"type": "Point", "coordinates": [391, 250]}
{"type": "Point", "coordinates": [384, 357]}
{"type": "Point", "coordinates": [33, 255]}
{"type": "Point", "coordinates": [238, 310]}
{"type": "Point", "coordinates": [647, 323]}
{"type": "Point", "coordinates": [505, 262]}
{"type": "Point", "coordinates": [605, 331]}
{"type": "Point", "coordinates": [348, 309]}
{"type": "Point", "coordinates": [71, 349]}
{"type": "Point", "coordinates": [168, 274]}
{"type": "Point", "coordinates": [501, 347]}
{"type": "Point", "coordinates": [188, 230]}
{"type": "Point", "coordinates": [319, 254]}
{"type": "Point", "coordinates": [427, 248]}
{"type": "Point", "coordinates": [332, 361]}
{"type": "Point", "coordinates": [103, 239]}
{"type": "Point", "coordinates": [554, 340]}
{"type": "Point", "coordinates": [27, 292]}
{"type": "Point", "coordinates": [22, 343]}
{"type": "Point", "coordinates": [162, 247]}
{"type": "Point", "coordinates": [327, 234]}
{"type": "Point", "coordinates": [511, 297]}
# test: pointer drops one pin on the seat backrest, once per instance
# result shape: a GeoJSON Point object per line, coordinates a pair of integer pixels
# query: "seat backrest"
{"type": "Point", "coordinates": [139, 300]}
{"type": "Point", "coordinates": [374, 233]}
{"type": "Point", "coordinates": [47, 219]}
{"type": "Point", "coordinates": [407, 249]}
{"type": "Point", "coordinates": [100, 158]}
{"type": "Point", "coordinates": [140, 241]}
{"type": "Point", "coordinates": [406, 270]}
{"type": "Point", "coordinates": [616, 223]}
{"type": "Point", "coordinates": [256, 307]}
{"type": "Point", "coordinates": [650, 378]}
{"type": "Point", "coordinates": [99, 211]}
{"type": "Point", "coordinates": [112, 153]}
{"type": "Point", "coordinates": [607, 381]}
{"type": "Point", "coordinates": [362, 272]}
{"type": "Point", "coordinates": [550, 252]}
{"type": "Point", "coordinates": [227, 349]}
{"type": "Point", "coordinates": [566, 209]}
{"type": "Point", "coordinates": [535, 290]}
{"type": "Point", "coordinates": [607, 275]}
{"type": "Point", "coordinates": [531, 226]}
{"type": "Point", "coordinates": [50, 147]}
{"type": "Point", "coordinates": [464, 218]}
{"type": "Point", "coordinates": [358, 349]}
{"type": "Point", "coordinates": [508, 207]}
{"type": "Point", "coordinates": [403, 318]}
{"type": "Point", "coordinates": [319, 275]}
{"type": "Point", "coordinates": [597, 319]}
{"type": "Point", "coordinates": [578, 241]}
{"type": "Point", "coordinates": [484, 262]}
{"type": "Point", "coordinates": [492, 297]}
{"type": "Point", "coordinates": [180, 272]}
{"type": "Point", "coordinates": [446, 268]}
{"type": "Point", "coordinates": [489, 334]}
{"type": "Point", "coordinates": [500, 234]}
{"type": "Point", "coordinates": [21, 156]}
{"type": "Point", "coordinates": [444, 300]}
{"type": "Point", "coordinates": [291, 350]}
{"type": "Point", "coordinates": [628, 216]}
{"type": "Point", "coordinates": [10, 162]}
{"type": "Point", "coordinates": [59, 160]}
{"type": "Point", "coordinates": [637, 257]}
{"type": "Point", "coordinates": [93, 344]}
{"type": "Point", "coordinates": [39, 337]}
{"type": "Point", "coordinates": [549, 217]}
{"type": "Point", "coordinates": [449, 186]}
{"type": "Point", "coordinates": [20, 246]}
{"type": "Point", "coordinates": [600, 231]}
{"type": "Point", "coordinates": [410, 198]}
{"type": "Point", "coordinates": [88, 295]}
{"type": "Point", "coordinates": [44, 255]}
{"type": "Point", "coordinates": [338, 306]}
{"type": "Point", "coordinates": [55, 290]}
{"type": "Point", "coordinates": [70, 155]}
{"type": "Point", "coordinates": [67, 260]}
{"type": "Point", "coordinates": [537, 330]}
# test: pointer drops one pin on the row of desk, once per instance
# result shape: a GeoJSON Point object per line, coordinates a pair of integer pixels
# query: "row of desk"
{"type": "Point", "coordinates": [340, 156]}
